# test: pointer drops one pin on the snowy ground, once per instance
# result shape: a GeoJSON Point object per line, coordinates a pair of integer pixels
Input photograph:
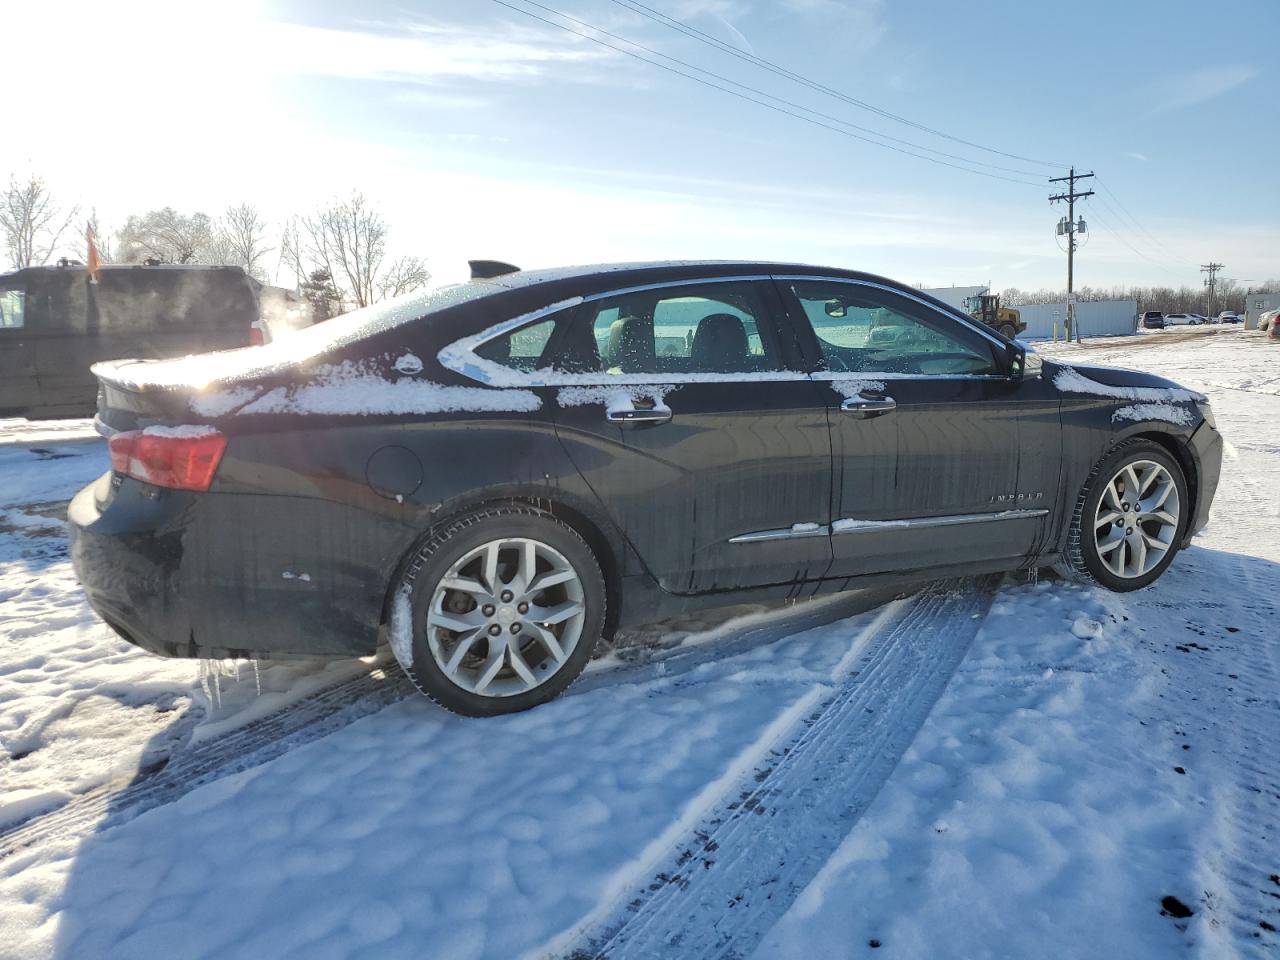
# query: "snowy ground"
{"type": "Point", "coordinates": [973, 770]}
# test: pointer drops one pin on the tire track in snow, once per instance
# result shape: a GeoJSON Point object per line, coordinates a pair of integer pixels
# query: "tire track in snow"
{"type": "Point", "coordinates": [341, 704]}
{"type": "Point", "coordinates": [1239, 711]}
{"type": "Point", "coordinates": [746, 862]}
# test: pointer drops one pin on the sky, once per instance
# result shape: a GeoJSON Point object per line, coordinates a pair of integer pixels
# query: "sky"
{"type": "Point", "coordinates": [480, 132]}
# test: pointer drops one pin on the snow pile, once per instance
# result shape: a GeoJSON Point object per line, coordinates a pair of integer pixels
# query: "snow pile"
{"type": "Point", "coordinates": [350, 389]}
{"type": "Point", "coordinates": [1154, 411]}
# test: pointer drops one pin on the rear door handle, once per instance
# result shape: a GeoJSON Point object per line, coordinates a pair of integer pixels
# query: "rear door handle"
{"type": "Point", "coordinates": [641, 415]}
{"type": "Point", "coordinates": [865, 408]}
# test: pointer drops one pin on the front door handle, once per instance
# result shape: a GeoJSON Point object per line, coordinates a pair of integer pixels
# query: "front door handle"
{"type": "Point", "coordinates": [639, 415]}
{"type": "Point", "coordinates": [865, 408]}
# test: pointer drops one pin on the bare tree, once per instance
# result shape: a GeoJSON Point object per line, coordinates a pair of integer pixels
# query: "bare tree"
{"type": "Point", "coordinates": [356, 237]}
{"type": "Point", "coordinates": [167, 236]}
{"type": "Point", "coordinates": [345, 243]}
{"type": "Point", "coordinates": [403, 275]}
{"type": "Point", "coordinates": [241, 239]}
{"type": "Point", "coordinates": [32, 222]}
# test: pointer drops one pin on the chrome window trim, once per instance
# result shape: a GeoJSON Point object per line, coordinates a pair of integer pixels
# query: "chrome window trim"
{"type": "Point", "coordinates": [461, 358]}
{"type": "Point", "coordinates": [910, 523]}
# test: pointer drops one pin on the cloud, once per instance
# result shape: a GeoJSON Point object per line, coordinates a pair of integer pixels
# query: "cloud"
{"type": "Point", "coordinates": [1195, 86]}
{"type": "Point", "coordinates": [1135, 155]}
{"type": "Point", "coordinates": [416, 52]}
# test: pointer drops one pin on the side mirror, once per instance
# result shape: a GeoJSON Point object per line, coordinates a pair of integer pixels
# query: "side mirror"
{"type": "Point", "coordinates": [1022, 361]}
{"type": "Point", "coordinates": [835, 309]}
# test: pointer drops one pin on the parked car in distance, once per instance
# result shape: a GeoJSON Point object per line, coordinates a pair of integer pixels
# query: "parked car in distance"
{"type": "Point", "coordinates": [502, 471]}
{"type": "Point", "coordinates": [57, 321]}
{"type": "Point", "coordinates": [1199, 318]}
{"type": "Point", "coordinates": [1182, 320]}
{"type": "Point", "coordinates": [1153, 320]}
{"type": "Point", "coordinates": [1230, 316]}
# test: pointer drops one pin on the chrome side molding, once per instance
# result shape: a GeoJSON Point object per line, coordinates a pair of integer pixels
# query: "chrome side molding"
{"type": "Point", "coordinates": [842, 527]}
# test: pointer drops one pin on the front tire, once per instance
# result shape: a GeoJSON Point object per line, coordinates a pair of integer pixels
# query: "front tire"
{"type": "Point", "coordinates": [498, 611]}
{"type": "Point", "coordinates": [1009, 331]}
{"type": "Point", "coordinates": [1129, 518]}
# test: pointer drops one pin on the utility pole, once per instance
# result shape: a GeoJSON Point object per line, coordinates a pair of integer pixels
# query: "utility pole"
{"type": "Point", "coordinates": [1211, 269]}
{"type": "Point", "coordinates": [1070, 228]}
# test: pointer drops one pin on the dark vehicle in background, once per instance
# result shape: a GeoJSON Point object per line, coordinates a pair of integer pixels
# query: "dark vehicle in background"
{"type": "Point", "coordinates": [55, 323]}
{"type": "Point", "coordinates": [502, 471]}
{"type": "Point", "coordinates": [1153, 320]}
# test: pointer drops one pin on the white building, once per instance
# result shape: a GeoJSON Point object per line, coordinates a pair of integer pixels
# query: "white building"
{"type": "Point", "coordinates": [1256, 304]}
{"type": "Point", "coordinates": [1097, 318]}
{"type": "Point", "coordinates": [954, 296]}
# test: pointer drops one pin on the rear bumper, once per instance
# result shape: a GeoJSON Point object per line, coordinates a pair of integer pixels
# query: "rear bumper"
{"type": "Point", "coordinates": [221, 575]}
{"type": "Point", "coordinates": [1206, 450]}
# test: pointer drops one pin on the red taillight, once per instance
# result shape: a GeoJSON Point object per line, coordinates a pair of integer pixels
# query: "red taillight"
{"type": "Point", "coordinates": [181, 458]}
{"type": "Point", "coordinates": [256, 339]}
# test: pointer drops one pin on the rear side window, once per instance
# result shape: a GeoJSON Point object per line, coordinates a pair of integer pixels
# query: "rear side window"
{"type": "Point", "coordinates": [723, 328]}
{"type": "Point", "coordinates": [13, 305]}
{"type": "Point", "coordinates": [862, 329]}
{"type": "Point", "coordinates": [521, 349]}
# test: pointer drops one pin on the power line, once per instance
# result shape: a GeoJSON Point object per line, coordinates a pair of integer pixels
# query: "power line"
{"type": "Point", "coordinates": [694, 33]}
{"type": "Point", "coordinates": [764, 93]}
{"type": "Point", "coordinates": [1134, 220]}
{"type": "Point", "coordinates": [762, 103]}
{"type": "Point", "coordinates": [1161, 263]}
{"type": "Point", "coordinates": [1117, 235]}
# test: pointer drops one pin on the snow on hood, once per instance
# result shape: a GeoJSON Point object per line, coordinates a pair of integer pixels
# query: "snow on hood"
{"type": "Point", "coordinates": [1072, 380]}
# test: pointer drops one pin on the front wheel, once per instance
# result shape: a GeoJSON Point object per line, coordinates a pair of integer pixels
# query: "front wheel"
{"type": "Point", "coordinates": [1129, 518]}
{"type": "Point", "coordinates": [498, 611]}
{"type": "Point", "coordinates": [1009, 331]}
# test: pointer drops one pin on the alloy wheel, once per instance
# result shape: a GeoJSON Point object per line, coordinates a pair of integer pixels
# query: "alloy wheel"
{"type": "Point", "coordinates": [506, 617]}
{"type": "Point", "coordinates": [1136, 520]}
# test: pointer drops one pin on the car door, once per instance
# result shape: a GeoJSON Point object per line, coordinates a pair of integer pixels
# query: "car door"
{"type": "Point", "coordinates": [685, 410]}
{"type": "Point", "coordinates": [940, 457]}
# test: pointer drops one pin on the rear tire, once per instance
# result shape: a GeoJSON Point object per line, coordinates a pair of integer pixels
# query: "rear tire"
{"type": "Point", "coordinates": [1009, 330]}
{"type": "Point", "coordinates": [498, 611]}
{"type": "Point", "coordinates": [1120, 540]}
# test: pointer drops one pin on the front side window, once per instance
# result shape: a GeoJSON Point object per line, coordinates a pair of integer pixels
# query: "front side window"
{"type": "Point", "coordinates": [688, 329]}
{"type": "Point", "coordinates": [12, 309]}
{"type": "Point", "coordinates": [862, 329]}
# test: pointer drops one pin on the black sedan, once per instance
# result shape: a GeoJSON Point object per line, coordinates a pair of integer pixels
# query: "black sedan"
{"type": "Point", "coordinates": [498, 473]}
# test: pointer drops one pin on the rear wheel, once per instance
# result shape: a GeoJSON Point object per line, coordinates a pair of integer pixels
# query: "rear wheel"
{"type": "Point", "coordinates": [1009, 330]}
{"type": "Point", "coordinates": [1129, 518]}
{"type": "Point", "coordinates": [499, 611]}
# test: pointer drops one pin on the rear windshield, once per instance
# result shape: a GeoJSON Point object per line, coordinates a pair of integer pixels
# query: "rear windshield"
{"type": "Point", "coordinates": [278, 355]}
{"type": "Point", "coordinates": [379, 317]}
